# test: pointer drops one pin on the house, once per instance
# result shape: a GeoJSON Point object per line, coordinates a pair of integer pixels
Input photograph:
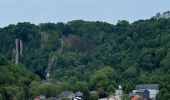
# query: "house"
{"type": "Point", "coordinates": [41, 97]}
{"type": "Point", "coordinates": [109, 98]}
{"type": "Point", "coordinates": [53, 98]}
{"type": "Point", "coordinates": [119, 93]}
{"type": "Point", "coordinates": [37, 98]}
{"type": "Point", "coordinates": [67, 95]}
{"type": "Point", "coordinates": [78, 94]}
{"type": "Point", "coordinates": [102, 99]}
{"type": "Point", "coordinates": [112, 98]}
{"type": "Point", "coordinates": [143, 94]}
{"type": "Point", "coordinates": [78, 98]}
{"type": "Point", "coordinates": [152, 88]}
{"type": "Point", "coordinates": [93, 93]}
{"type": "Point", "coordinates": [134, 96]}
{"type": "Point", "coordinates": [163, 15]}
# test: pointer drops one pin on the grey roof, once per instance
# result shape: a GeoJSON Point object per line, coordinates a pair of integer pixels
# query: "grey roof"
{"type": "Point", "coordinates": [141, 90]}
{"type": "Point", "coordinates": [78, 94]}
{"type": "Point", "coordinates": [42, 97]}
{"type": "Point", "coordinates": [147, 86]}
{"type": "Point", "coordinates": [93, 92]}
{"type": "Point", "coordinates": [65, 94]}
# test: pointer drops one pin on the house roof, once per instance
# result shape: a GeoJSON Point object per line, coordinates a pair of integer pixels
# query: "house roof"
{"type": "Point", "coordinates": [147, 86]}
{"type": "Point", "coordinates": [142, 90]}
{"type": "Point", "coordinates": [93, 92]}
{"type": "Point", "coordinates": [78, 94]}
{"type": "Point", "coordinates": [65, 94]}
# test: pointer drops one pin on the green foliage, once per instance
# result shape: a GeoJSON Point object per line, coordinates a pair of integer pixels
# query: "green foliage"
{"type": "Point", "coordinates": [136, 53]}
{"type": "Point", "coordinates": [103, 78]}
{"type": "Point", "coordinates": [165, 62]}
{"type": "Point", "coordinates": [3, 61]}
{"type": "Point", "coordinates": [47, 89]}
{"type": "Point", "coordinates": [14, 81]}
{"type": "Point", "coordinates": [131, 72]}
{"type": "Point", "coordinates": [110, 89]}
{"type": "Point", "coordinates": [163, 95]}
{"type": "Point", "coordinates": [93, 97]}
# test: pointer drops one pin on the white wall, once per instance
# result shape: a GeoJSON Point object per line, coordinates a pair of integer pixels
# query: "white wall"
{"type": "Point", "coordinates": [152, 92]}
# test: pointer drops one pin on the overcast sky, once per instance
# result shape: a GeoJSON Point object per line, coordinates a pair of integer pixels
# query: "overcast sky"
{"type": "Point", "coordinates": [40, 11]}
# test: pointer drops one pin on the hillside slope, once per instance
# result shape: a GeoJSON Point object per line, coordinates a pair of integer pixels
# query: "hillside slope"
{"type": "Point", "coordinates": [135, 53]}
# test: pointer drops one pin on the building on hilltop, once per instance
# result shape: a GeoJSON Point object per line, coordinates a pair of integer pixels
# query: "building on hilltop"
{"type": "Point", "coordinates": [163, 15]}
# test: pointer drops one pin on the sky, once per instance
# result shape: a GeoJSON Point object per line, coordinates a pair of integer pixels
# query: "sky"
{"type": "Point", "coordinates": [42, 11]}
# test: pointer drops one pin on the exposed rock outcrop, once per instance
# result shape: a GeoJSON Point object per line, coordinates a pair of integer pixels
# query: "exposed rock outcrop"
{"type": "Point", "coordinates": [21, 47]}
{"type": "Point", "coordinates": [18, 51]}
{"type": "Point", "coordinates": [44, 38]}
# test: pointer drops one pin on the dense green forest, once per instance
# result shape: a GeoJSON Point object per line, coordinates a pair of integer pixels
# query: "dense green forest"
{"type": "Point", "coordinates": [83, 56]}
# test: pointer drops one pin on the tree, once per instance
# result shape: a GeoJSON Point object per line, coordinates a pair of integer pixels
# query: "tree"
{"type": "Point", "coordinates": [163, 95]}
{"type": "Point", "coordinates": [103, 78]}
{"type": "Point", "coordinates": [47, 89]}
{"type": "Point", "coordinates": [110, 89]}
{"type": "Point", "coordinates": [86, 94]}
{"type": "Point", "coordinates": [131, 72]}
{"type": "Point", "coordinates": [3, 60]}
{"type": "Point", "coordinates": [165, 62]}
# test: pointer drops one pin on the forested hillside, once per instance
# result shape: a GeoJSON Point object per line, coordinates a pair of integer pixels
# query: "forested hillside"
{"type": "Point", "coordinates": [84, 55]}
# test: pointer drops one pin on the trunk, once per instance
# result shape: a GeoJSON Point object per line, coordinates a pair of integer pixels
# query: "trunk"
{"type": "Point", "coordinates": [21, 47]}
{"type": "Point", "coordinates": [16, 51]}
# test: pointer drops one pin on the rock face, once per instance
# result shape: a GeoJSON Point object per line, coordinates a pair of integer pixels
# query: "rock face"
{"type": "Point", "coordinates": [18, 52]}
{"type": "Point", "coordinates": [163, 15]}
